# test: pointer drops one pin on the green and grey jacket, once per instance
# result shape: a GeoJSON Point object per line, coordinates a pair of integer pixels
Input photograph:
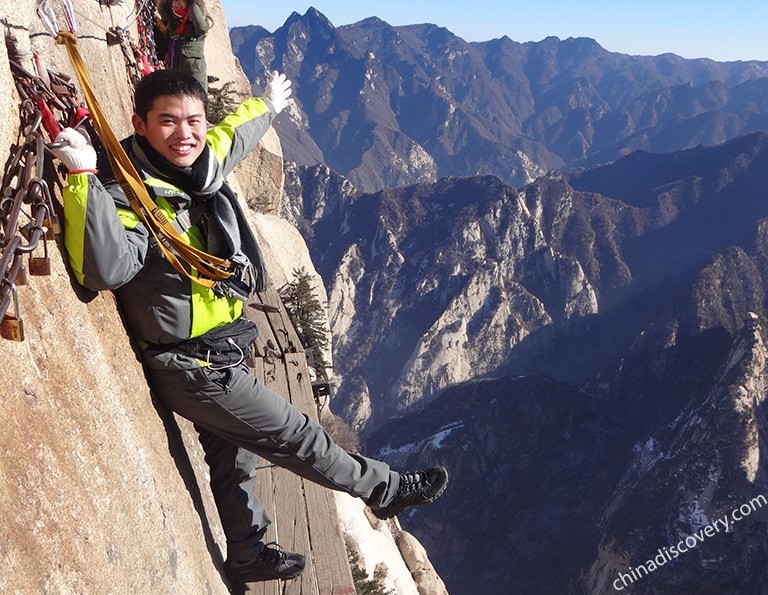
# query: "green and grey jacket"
{"type": "Point", "coordinates": [110, 248]}
{"type": "Point", "coordinates": [186, 51]}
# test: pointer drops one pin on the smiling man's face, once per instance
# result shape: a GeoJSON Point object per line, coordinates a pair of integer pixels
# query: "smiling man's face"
{"type": "Point", "coordinates": [175, 127]}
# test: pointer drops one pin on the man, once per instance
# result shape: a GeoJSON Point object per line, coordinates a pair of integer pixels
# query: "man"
{"type": "Point", "coordinates": [193, 337]}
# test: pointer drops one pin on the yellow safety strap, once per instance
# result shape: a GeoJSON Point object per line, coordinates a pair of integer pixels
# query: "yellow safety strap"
{"type": "Point", "coordinates": [171, 243]}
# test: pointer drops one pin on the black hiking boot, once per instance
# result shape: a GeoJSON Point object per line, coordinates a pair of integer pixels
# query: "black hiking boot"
{"type": "Point", "coordinates": [416, 488]}
{"type": "Point", "coordinates": [271, 564]}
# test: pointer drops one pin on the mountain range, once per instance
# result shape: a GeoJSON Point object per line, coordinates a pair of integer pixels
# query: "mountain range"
{"type": "Point", "coordinates": [547, 269]}
{"type": "Point", "coordinates": [417, 272]}
{"type": "Point", "coordinates": [571, 350]}
{"type": "Point", "coordinates": [586, 354]}
{"type": "Point", "coordinates": [392, 106]}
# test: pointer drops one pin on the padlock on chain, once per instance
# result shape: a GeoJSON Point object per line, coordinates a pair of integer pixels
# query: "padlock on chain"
{"type": "Point", "coordinates": [52, 227]}
{"type": "Point", "coordinates": [12, 326]}
{"type": "Point", "coordinates": [22, 277]}
{"type": "Point", "coordinates": [40, 265]}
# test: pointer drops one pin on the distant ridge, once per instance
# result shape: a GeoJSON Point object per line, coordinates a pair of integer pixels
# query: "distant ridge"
{"type": "Point", "coordinates": [391, 106]}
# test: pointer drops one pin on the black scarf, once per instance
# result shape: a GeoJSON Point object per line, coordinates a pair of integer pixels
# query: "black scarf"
{"type": "Point", "coordinates": [224, 223]}
{"type": "Point", "coordinates": [200, 180]}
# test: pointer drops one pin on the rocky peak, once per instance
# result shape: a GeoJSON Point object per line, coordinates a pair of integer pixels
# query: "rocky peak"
{"type": "Point", "coordinates": [322, 191]}
{"type": "Point", "coordinates": [309, 25]}
{"type": "Point", "coordinates": [697, 470]}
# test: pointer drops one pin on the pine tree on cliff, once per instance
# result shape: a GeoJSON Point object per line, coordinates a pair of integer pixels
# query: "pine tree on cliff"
{"type": "Point", "coordinates": [307, 314]}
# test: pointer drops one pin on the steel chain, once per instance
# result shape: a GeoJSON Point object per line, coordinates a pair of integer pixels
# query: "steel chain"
{"type": "Point", "coordinates": [145, 12]}
{"type": "Point", "coordinates": [25, 193]}
{"type": "Point", "coordinates": [118, 35]}
{"type": "Point", "coordinates": [27, 215]}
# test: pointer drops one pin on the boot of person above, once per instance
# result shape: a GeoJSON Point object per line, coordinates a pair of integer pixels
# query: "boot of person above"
{"type": "Point", "coordinates": [270, 563]}
{"type": "Point", "coordinates": [415, 488]}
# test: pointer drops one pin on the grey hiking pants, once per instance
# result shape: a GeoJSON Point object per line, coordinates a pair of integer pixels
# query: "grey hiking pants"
{"type": "Point", "coordinates": [238, 420]}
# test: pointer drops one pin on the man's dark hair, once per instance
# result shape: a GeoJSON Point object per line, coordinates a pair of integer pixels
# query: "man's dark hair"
{"type": "Point", "coordinates": [166, 82]}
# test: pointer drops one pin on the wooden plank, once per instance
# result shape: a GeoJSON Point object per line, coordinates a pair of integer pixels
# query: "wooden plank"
{"type": "Point", "coordinates": [265, 493]}
{"type": "Point", "coordinates": [291, 516]}
{"type": "Point", "coordinates": [286, 322]}
{"type": "Point", "coordinates": [266, 333]}
{"type": "Point", "coordinates": [304, 514]}
{"type": "Point", "coordinates": [257, 369]}
{"type": "Point", "coordinates": [300, 385]}
{"type": "Point", "coordinates": [282, 328]}
{"type": "Point", "coordinates": [331, 564]}
{"type": "Point", "coordinates": [293, 529]}
{"type": "Point", "coordinates": [326, 539]}
{"type": "Point", "coordinates": [290, 523]}
{"type": "Point", "coordinates": [265, 482]}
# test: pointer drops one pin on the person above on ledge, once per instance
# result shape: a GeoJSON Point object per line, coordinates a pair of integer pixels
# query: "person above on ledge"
{"type": "Point", "coordinates": [184, 25]}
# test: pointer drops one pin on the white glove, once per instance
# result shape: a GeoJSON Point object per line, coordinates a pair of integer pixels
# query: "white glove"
{"type": "Point", "coordinates": [278, 91]}
{"type": "Point", "coordinates": [73, 148]}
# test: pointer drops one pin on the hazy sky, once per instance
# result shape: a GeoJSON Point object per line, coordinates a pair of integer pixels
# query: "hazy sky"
{"type": "Point", "coordinates": [725, 30]}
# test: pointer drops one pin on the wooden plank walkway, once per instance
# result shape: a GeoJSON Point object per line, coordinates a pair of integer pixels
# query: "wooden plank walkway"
{"type": "Point", "coordinates": [304, 514]}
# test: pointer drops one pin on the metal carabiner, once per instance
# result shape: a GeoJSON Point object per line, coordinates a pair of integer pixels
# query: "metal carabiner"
{"type": "Point", "coordinates": [48, 17]}
{"type": "Point", "coordinates": [69, 16]}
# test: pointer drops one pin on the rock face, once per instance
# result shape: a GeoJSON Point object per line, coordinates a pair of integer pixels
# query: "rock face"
{"type": "Point", "coordinates": [432, 285]}
{"type": "Point", "coordinates": [424, 574]}
{"type": "Point", "coordinates": [394, 106]}
{"type": "Point", "coordinates": [101, 490]}
{"type": "Point", "coordinates": [95, 493]}
{"type": "Point", "coordinates": [98, 492]}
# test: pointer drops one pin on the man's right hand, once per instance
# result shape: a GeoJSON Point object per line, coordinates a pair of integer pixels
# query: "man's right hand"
{"type": "Point", "coordinates": [74, 150]}
{"type": "Point", "coordinates": [278, 91]}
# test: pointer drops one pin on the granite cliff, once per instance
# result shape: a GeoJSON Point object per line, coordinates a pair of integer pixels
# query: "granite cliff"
{"type": "Point", "coordinates": [101, 490]}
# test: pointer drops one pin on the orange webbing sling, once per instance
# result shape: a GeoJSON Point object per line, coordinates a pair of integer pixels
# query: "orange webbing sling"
{"type": "Point", "coordinates": [211, 268]}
